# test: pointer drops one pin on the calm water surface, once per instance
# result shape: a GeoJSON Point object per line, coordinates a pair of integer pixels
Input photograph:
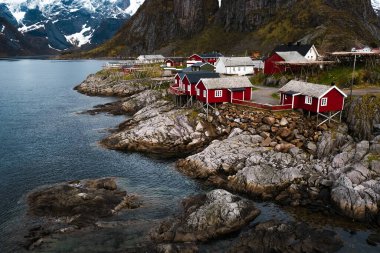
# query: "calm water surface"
{"type": "Point", "coordinates": [44, 140]}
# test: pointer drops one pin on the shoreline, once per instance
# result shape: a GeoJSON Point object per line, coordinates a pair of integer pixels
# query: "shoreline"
{"type": "Point", "coordinates": [177, 131]}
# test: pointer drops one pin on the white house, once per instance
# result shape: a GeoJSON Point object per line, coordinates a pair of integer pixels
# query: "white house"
{"type": "Point", "coordinates": [309, 52]}
{"type": "Point", "coordinates": [235, 66]}
{"type": "Point", "coordinates": [146, 59]}
{"type": "Point", "coordinates": [365, 49]}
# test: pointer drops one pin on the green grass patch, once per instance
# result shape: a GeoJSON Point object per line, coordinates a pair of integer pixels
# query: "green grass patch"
{"type": "Point", "coordinates": [275, 95]}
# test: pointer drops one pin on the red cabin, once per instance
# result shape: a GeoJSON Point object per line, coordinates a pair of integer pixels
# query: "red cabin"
{"type": "Point", "coordinates": [208, 57]}
{"type": "Point", "coordinates": [312, 97]}
{"type": "Point", "coordinates": [223, 90]}
{"type": "Point", "coordinates": [174, 62]}
{"type": "Point", "coordinates": [185, 82]}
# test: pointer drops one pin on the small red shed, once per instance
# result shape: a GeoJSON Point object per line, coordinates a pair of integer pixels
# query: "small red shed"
{"type": "Point", "coordinates": [223, 90]}
{"type": "Point", "coordinates": [313, 97]}
{"type": "Point", "coordinates": [174, 62]}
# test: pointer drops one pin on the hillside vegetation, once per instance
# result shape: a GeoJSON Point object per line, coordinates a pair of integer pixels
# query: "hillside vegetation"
{"type": "Point", "coordinates": [242, 26]}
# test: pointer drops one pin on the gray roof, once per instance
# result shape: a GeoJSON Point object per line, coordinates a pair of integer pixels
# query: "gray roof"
{"type": "Point", "coordinates": [308, 89]}
{"type": "Point", "coordinates": [227, 83]}
{"type": "Point", "coordinates": [292, 56]}
{"type": "Point", "coordinates": [236, 61]}
{"type": "Point", "coordinates": [152, 57]}
{"type": "Point", "coordinates": [194, 77]}
{"type": "Point", "coordinates": [201, 64]}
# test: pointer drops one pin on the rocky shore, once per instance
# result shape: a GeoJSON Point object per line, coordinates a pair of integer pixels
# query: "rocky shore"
{"type": "Point", "coordinates": [282, 157]}
{"type": "Point", "coordinates": [67, 207]}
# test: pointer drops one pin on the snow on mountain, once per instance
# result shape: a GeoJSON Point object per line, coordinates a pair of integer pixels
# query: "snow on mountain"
{"type": "Point", "coordinates": [67, 23]}
{"type": "Point", "coordinates": [376, 5]}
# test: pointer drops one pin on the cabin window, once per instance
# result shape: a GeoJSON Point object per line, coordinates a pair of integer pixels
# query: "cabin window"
{"type": "Point", "coordinates": [308, 100]}
{"type": "Point", "coordinates": [204, 93]}
{"type": "Point", "coordinates": [198, 92]}
{"type": "Point", "coordinates": [218, 93]}
{"type": "Point", "coordinates": [324, 102]}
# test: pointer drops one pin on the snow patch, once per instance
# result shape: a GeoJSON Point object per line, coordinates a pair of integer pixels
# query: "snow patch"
{"type": "Point", "coordinates": [54, 48]}
{"type": "Point", "coordinates": [376, 4]}
{"type": "Point", "coordinates": [36, 26]}
{"type": "Point", "coordinates": [79, 39]}
{"type": "Point", "coordinates": [134, 6]}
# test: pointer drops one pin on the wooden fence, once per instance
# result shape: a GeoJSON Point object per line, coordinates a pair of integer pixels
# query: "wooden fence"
{"type": "Point", "coordinates": [262, 106]}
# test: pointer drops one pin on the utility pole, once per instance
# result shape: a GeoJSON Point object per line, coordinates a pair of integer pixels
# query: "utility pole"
{"type": "Point", "coordinates": [353, 77]}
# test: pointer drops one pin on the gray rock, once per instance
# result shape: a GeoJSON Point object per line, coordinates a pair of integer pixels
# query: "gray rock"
{"type": "Point", "coordinates": [207, 217]}
{"type": "Point", "coordinates": [362, 149]}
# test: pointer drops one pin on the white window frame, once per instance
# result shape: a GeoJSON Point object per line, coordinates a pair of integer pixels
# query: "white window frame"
{"type": "Point", "coordinates": [308, 100]}
{"type": "Point", "coordinates": [218, 93]}
{"type": "Point", "coordinates": [204, 93]}
{"type": "Point", "coordinates": [324, 101]}
{"type": "Point", "coordinates": [198, 92]}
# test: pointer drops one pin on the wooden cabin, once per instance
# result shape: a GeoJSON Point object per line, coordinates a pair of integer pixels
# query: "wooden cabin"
{"type": "Point", "coordinates": [311, 97]}
{"type": "Point", "coordinates": [174, 62]}
{"type": "Point", "coordinates": [207, 57]}
{"type": "Point", "coordinates": [185, 82]}
{"type": "Point", "coordinates": [223, 90]}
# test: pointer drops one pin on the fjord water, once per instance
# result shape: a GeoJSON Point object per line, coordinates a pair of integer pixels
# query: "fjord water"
{"type": "Point", "coordinates": [44, 139]}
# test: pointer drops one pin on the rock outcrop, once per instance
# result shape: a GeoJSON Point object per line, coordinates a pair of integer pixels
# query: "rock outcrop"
{"type": "Point", "coordinates": [111, 85]}
{"type": "Point", "coordinates": [275, 236]}
{"type": "Point", "coordinates": [207, 217]}
{"type": "Point", "coordinates": [69, 206]}
{"type": "Point", "coordinates": [173, 133]}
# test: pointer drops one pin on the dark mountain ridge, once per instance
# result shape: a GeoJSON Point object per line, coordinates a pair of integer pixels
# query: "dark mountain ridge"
{"type": "Point", "coordinates": [239, 26]}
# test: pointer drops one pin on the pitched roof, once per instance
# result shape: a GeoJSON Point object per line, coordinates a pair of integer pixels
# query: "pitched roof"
{"type": "Point", "coordinates": [194, 77]}
{"type": "Point", "coordinates": [226, 83]}
{"type": "Point", "coordinates": [211, 55]}
{"type": "Point", "coordinates": [292, 56]}
{"type": "Point", "coordinates": [201, 64]}
{"type": "Point", "coordinates": [308, 89]}
{"type": "Point", "coordinates": [236, 61]}
{"type": "Point", "coordinates": [302, 49]}
{"type": "Point", "coordinates": [152, 57]}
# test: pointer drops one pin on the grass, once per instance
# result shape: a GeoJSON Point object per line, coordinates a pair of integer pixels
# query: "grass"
{"type": "Point", "coordinates": [275, 95]}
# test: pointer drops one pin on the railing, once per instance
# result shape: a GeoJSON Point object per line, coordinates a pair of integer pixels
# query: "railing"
{"type": "Point", "coordinates": [176, 91]}
{"type": "Point", "coordinates": [262, 106]}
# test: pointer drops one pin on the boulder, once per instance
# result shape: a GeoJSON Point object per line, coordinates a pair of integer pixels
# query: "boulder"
{"type": "Point", "coordinates": [276, 236]}
{"type": "Point", "coordinates": [166, 133]}
{"type": "Point", "coordinates": [269, 120]}
{"type": "Point", "coordinates": [207, 217]}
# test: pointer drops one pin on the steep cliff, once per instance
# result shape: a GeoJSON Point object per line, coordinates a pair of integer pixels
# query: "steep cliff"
{"type": "Point", "coordinates": [240, 26]}
{"type": "Point", "coordinates": [158, 23]}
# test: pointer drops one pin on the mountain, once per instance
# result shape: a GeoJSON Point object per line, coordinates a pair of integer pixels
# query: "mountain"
{"type": "Point", "coordinates": [63, 24]}
{"type": "Point", "coordinates": [376, 6]}
{"type": "Point", "coordinates": [239, 26]}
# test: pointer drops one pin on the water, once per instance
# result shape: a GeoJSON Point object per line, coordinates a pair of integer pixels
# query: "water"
{"type": "Point", "coordinates": [44, 140]}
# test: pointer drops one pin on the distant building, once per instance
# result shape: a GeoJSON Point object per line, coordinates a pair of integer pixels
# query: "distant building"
{"type": "Point", "coordinates": [147, 59]}
{"type": "Point", "coordinates": [309, 52]}
{"type": "Point", "coordinates": [207, 57]}
{"type": "Point", "coordinates": [365, 49]}
{"type": "Point", "coordinates": [291, 53]}
{"type": "Point", "coordinates": [235, 66]}
{"type": "Point", "coordinates": [175, 62]}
